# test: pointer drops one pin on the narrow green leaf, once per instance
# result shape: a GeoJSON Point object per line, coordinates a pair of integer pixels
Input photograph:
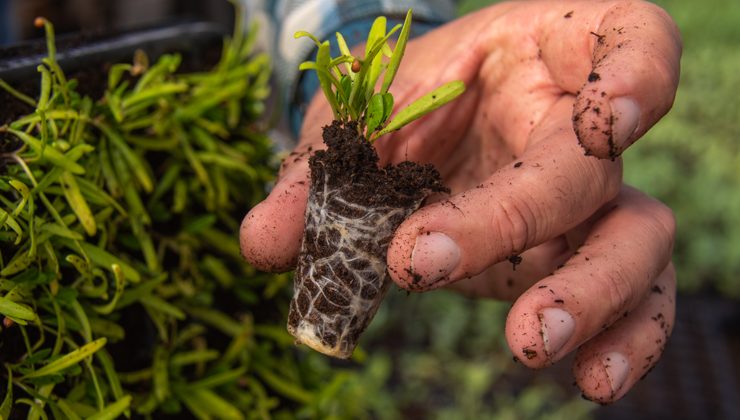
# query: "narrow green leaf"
{"type": "Point", "coordinates": [387, 106]}
{"type": "Point", "coordinates": [153, 93]}
{"type": "Point", "coordinates": [323, 58]}
{"type": "Point", "coordinates": [397, 56]}
{"type": "Point", "coordinates": [43, 103]}
{"type": "Point", "coordinates": [161, 377]}
{"type": "Point", "coordinates": [374, 114]}
{"type": "Point", "coordinates": [81, 316]}
{"type": "Point", "coordinates": [106, 361]}
{"type": "Point", "coordinates": [113, 411]}
{"type": "Point", "coordinates": [344, 49]}
{"type": "Point", "coordinates": [7, 219]}
{"type": "Point", "coordinates": [218, 379]}
{"type": "Point", "coordinates": [192, 357]}
{"type": "Point", "coordinates": [216, 319]}
{"type": "Point", "coordinates": [116, 73]}
{"type": "Point", "coordinates": [37, 410]}
{"type": "Point", "coordinates": [67, 410]}
{"type": "Point", "coordinates": [135, 163]}
{"type": "Point", "coordinates": [104, 259]}
{"type": "Point", "coordinates": [78, 203]}
{"type": "Point", "coordinates": [25, 194]}
{"type": "Point", "coordinates": [133, 295]}
{"type": "Point", "coordinates": [158, 304]}
{"type": "Point", "coordinates": [61, 231]}
{"type": "Point", "coordinates": [377, 32]}
{"type": "Point", "coordinates": [425, 105]}
{"type": "Point", "coordinates": [18, 95]}
{"type": "Point", "coordinates": [284, 386]}
{"type": "Point", "coordinates": [301, 34]}
{"type": "Point", "coordinates": [376, 35]}
{"type": "Point", "coordinates": [120, 284]}
{"type": "Point", "coordinates": [49, 153]}
{"type": "Point", "coordinates": [16, 310]}
{"type": "Point", "coordinates": [7, 405]}
{"type": "Point", "coordinates": [358, 99]}
{"type": "Point", "coordinates": [69, 359]}
{"type": "Point", "coordinates": [205, 400]}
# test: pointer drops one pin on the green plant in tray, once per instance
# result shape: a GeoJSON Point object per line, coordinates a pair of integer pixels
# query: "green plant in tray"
{"type": "Point", "coordinates": [122, 287]}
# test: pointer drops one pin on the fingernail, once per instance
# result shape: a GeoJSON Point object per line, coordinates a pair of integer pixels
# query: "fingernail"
{"type": "Point", "coordinates": [434, 257]}
{"type": "Point", "coordinates": [617, 367]}
{"type": "Point", "coordinates": [557, 327]}
{"type": "Point", "coordinates": [625, 118]}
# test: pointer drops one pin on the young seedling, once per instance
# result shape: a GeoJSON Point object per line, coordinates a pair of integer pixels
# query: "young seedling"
{"type": "Point", "coordinates": [354, 205]}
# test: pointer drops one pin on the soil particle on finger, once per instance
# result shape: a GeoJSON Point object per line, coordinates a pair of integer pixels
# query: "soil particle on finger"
{"type": "Point", "coordinates": [515, 260]}
{"type": "Point", "coordinates": [529, 353]}
{"type": "Point", "coordinates": [593, 77]}
{"type": "Point", "coordinates": [568, 15]}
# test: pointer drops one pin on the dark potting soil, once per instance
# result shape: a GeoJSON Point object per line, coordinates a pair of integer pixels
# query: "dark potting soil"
{"type": "Point", "coordinates": [351, 159]}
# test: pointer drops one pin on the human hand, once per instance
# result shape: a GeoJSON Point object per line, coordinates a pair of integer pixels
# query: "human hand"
{"type": "Point", "coordinates": [542, 77]}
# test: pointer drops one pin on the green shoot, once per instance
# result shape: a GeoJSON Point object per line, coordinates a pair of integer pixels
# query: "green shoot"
{"type": "Point", "coordinates": [349, 83]}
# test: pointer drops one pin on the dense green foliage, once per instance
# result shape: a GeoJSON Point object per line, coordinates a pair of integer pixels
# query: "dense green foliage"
{"type": "Point", "coordinates": [122, 287]}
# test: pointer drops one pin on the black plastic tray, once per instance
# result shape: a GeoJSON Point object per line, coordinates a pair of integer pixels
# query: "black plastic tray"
{"type": "Point", "coordinates": [193, 38]}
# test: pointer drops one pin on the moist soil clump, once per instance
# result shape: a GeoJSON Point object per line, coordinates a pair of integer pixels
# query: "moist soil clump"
{"type": "Point", "coordinates": [354, 208]}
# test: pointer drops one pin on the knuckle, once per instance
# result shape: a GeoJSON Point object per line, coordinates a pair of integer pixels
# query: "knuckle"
{"type": "Point", "coordinates": [514, 225]}
{"type": "Point", "coordinates": [620, 291]}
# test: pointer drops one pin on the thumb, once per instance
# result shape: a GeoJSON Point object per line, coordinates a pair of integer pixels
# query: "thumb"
{"type": "Point", "coordinates": [270, 234]}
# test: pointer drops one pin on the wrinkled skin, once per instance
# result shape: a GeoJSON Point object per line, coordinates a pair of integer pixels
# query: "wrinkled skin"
{"type": "Point", "coordinates": [547, 81]}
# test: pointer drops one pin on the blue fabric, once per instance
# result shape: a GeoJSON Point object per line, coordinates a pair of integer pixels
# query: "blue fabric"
{"type": "Point", "coordinates": [5, 23]}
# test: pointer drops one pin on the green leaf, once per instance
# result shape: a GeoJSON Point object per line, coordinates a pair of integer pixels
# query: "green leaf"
{"type": "Point", "coordinates": [377, 32]}
{"type": "Point", "coordinates": [376, 35]}
{"type": "Point", "coordinates": [135, 163]}
{"type": "Point", "coordinates": [69, 359]}
{"type": "Point", "coordinates": [7, 405]}
{"type": "Point", "coordinates": [78, 203]}
{"type": "Point", "coordinates": [113, 411]}
{"type": "Point", "coordinates": [67, 410]}
{"type": "Point", "coordinates": [387, 106]}
{"type": "Point", "coordinates": [375, 113]}
{"type": "Point", "coordinates": [161, 377]}
{"type": "Point", "coordinates": [105, 259]}
{"type": "Point", "coordinates": [398, 51]}
{"type": "Point", "coordinates": [218, 379]}
{"type": "Point", "coordinates": [425, 105]}
{"type": "Point", "coordinates": [16, 310]}
{"type": "Point", "coordinates": [48, 153]}
{"type": "Point", "coordinates": [358, 99]}
{"type": "Point", "coordinates": [323, 58]}
{"type": "Point", "coordinates": [106, 361]}
{"type": "Point", "coordinates": [301, 34]}
{"type": "Point", "coordinates": [192, 357]}
{"type": "Point", "coordinates": [344, 49]}
{"type": "Point", "coordinates": [206, 401]}
{"type": "Point", "coordinates": [158, 304]}
{"type": "Point", "coordinates": [120, 284]}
